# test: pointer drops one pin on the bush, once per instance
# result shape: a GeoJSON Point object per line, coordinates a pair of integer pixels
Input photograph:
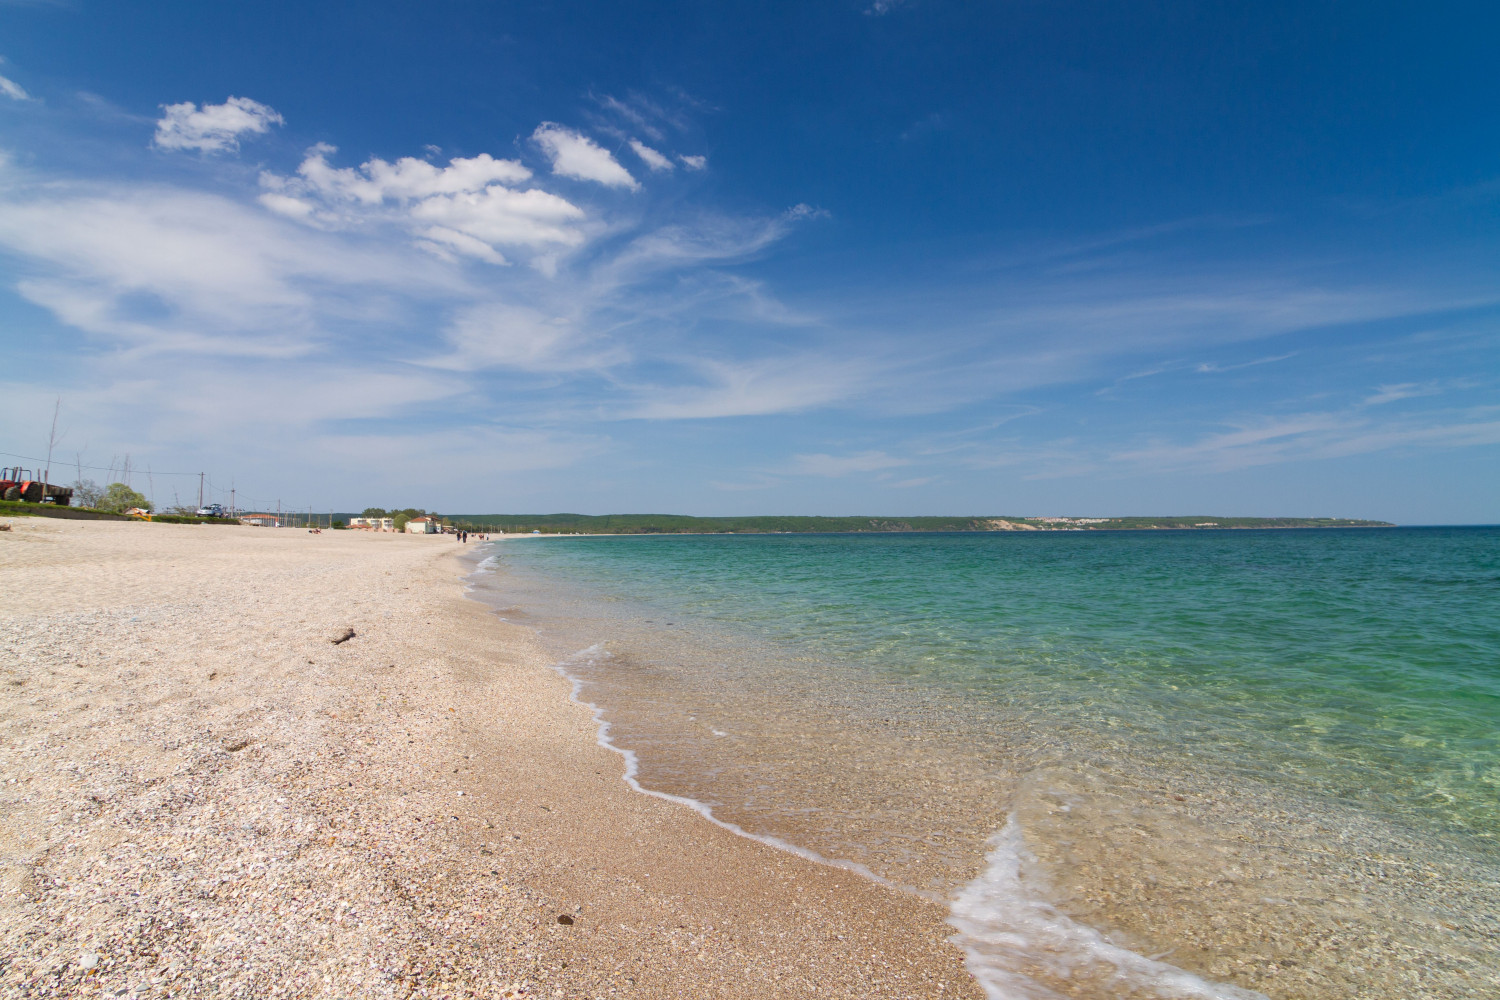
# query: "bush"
{"type": "Point", "coordinates": [119, 498]}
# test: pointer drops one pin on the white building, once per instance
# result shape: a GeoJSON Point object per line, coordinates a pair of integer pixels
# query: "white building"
{"type": "Point", "coordinates": [373, 523]}
{"type": "Point", "coordinates": [422, 526]}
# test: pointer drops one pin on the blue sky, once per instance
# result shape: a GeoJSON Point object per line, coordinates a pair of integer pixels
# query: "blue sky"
{"type": "Point", "coordinates": [840, 257]}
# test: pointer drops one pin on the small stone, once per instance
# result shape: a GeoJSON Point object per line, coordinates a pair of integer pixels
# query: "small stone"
{"type": "Point", "coordinates": [88, 961]}
{"type": "Point", "coordinates": [563, 918]}
{"type": "Point", "coordinates": [343, 636]}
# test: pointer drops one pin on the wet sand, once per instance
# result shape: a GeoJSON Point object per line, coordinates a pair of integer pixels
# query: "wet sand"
{"type": "Point", "coordinates": [202, 795]}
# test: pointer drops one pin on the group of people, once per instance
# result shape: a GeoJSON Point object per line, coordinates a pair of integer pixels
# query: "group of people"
{"type": "Point", "coordinates": [463, 536]}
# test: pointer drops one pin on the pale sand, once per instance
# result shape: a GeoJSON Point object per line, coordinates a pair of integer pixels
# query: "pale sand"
{"type": "Point", "coordinates": [200, 789]}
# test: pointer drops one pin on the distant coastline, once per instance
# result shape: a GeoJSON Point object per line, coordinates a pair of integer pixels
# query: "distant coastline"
{"type": "Point", "coordinates": [665, 524]}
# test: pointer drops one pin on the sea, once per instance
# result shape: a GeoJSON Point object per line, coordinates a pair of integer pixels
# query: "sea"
{"type": "Point", "coordinates": [1129, 763]}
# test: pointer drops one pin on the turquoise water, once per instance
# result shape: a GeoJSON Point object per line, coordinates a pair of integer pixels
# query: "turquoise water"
{"type": "Point", "coordinates": [1310, 699]}
{"type": "Point", "coordinates": [1367, 662]}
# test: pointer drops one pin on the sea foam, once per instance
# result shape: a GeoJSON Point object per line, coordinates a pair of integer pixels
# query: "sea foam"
{"type": "Point", "coordinates": [597, 654]}
{"type": "Point", "coordinates": [1003, 929]}
{"type": "Point", "coordinates": [1012, 938]}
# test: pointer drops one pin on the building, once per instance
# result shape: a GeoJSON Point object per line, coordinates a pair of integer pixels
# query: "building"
{"type": "Point", "coordinates": [422, 526]}
{"type": "Point", "coordinates": [262, 520]}
{"type": "Point", "coordinates": [373, 523]}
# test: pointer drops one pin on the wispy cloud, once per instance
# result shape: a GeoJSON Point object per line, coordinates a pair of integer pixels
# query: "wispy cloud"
{"type": "Point", "coordinates": [1309, 436]}
{"type": "Point", "coordinates": [843, 465]}
{"type": "Point", "coordinates": [737, 389]}
{"type": "Point", "coordinates": [169, 269]}
{"type": "Point", "coordinates": [13, 90]}
{"type": "Point", "coordinates": [650, 157]}
{"type": "Point", "coordinates": [1403, 390]}
{"type": "Point", "coordinates": [1212, 367]}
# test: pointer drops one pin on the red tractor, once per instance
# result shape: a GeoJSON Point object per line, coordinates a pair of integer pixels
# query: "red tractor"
{"type": "Point", "coordinates": [21, 484]}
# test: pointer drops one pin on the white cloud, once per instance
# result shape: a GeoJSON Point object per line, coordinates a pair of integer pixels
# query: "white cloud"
{"type": "Point", "coordinates": [499, 215]}
{"type": "Point", "coordinates": [576, 155]}
{"type": "Point", "coordinates": [471, 206]}
{"type": "Point", "coordinates": [214, 128]}
{"type": "Point", "coordinates": [13, 90]}
{"type": "Point", "coordinates": [408, 179]}
{"type": "Point", "coordinates": [649, 156]}
{"type": "Point", "coordinates": [693, 162]}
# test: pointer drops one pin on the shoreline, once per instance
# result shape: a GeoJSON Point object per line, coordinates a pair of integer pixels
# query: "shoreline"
{"type": "Point", "coordinates": [1234, 883]}
{"type": "Point", "coordinates": [205, 796]}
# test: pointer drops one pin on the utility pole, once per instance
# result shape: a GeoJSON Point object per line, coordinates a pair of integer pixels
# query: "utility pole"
{"type": "Point", "coordinates": [51, 442]}
{"type": "Point", "coordinates": [232, 508]}
{"type": "Point", "coordinates": [200, 491]}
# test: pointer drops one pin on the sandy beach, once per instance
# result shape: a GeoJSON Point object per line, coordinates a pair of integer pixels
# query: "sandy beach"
{"type": "Point", "coordinates": [203, 795]}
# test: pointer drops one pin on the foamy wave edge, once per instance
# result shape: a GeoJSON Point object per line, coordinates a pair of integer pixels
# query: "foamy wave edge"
{"type": "Point", "coordinates": [1000, 926]}
{"type": "Point", "coordinates": [632, 767]}
{"type": "Point", "coordinates": [1004, 929]}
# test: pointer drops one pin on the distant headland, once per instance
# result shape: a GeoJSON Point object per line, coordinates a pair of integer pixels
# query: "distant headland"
{"type": "Point", "coordinates": [656, 524]}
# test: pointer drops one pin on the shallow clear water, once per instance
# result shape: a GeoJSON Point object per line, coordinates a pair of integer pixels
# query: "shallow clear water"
{"type": "Point", "coordinates": [1196, 743]}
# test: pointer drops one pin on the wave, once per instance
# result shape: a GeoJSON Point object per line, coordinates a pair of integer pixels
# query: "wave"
{"type": "Point", "coordinates": [597, 653]}
{"type": "Point", "coordinates": [1012, 940]}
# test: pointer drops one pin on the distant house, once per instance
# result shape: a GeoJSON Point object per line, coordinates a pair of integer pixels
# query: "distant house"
{"type": "Point", "coordinates": [373, 523]}
{"type": "Point", "coordinates": [262, 520]}
{"type": "Point", "coordinates": [422, 526]}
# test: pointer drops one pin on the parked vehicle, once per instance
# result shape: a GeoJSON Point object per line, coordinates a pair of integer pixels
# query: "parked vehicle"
{"type": "Point", "coordinates": [213, 510]}
{"type": "Point", "coordinates": [17, 483]}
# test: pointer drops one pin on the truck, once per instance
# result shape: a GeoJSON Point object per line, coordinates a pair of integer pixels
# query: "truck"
{"type": "Point", "coordinates": [17, 483]}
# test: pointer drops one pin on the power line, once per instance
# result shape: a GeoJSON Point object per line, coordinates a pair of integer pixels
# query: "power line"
{"type": "Point", "coordinates": [91, 468]}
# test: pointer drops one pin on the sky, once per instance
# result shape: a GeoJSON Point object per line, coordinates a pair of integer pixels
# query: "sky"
{"type": "Point", "coordinates": [827, 257]}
